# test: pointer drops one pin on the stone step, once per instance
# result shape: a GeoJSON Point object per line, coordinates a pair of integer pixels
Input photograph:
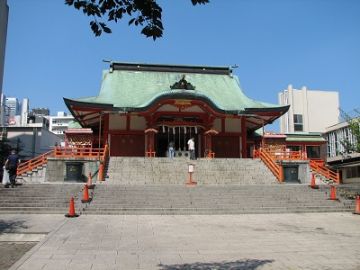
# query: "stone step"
{"type": "Point", "coordinates": [165, 199]}
{"type": "Point", "coordinates": [38, 198]}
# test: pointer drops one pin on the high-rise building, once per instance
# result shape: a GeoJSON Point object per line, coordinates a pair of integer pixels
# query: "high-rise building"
{"type": "Point", "coordinates": [41, 111]}
{"type": "Point", "coordinates": [310, 110]}
{"type": "Point", "coordinates": [4, 11]}
{"type": "Point", "coordinates": [24, 111]}
{"type": "Point", "coordinates": [12, 109]}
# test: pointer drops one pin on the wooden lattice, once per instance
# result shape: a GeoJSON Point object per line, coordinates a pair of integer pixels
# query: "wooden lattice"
{"type": "Point", "coordinates": [79, 137]}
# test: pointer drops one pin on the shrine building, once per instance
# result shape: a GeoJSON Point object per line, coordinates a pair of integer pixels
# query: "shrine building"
{"type": "Point", "coordinates": [141, 108]}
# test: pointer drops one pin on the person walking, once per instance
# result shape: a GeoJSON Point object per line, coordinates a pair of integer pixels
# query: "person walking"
{"type": "Point", "coordinates": [11, 165]}
{"type": "Point", "coordinates": [191, 148]}
{"type": "Point", "coordinates": [171, 150]}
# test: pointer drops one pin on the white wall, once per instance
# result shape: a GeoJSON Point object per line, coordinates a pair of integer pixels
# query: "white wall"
{"type": "Point", "coordinates": [319, 109]}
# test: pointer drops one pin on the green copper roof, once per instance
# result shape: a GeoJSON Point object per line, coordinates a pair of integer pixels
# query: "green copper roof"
{"type": "Point", "coordinates": [74, 124]}
{"type": "Point", "coordinates": [304, 137]}
{"type": "Point", "coordinates": [140, 88]}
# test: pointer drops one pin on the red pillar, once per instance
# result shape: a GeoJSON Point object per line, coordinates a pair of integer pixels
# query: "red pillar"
{"type": "Point", "coordinates": [243, 138]}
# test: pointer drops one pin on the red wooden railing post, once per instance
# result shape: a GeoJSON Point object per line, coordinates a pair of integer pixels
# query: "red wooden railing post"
{"type": "Point", "coordinates": [281, 173]}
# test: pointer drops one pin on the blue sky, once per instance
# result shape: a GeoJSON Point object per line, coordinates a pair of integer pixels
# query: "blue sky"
{"type": "Point", "coordinates": [51, 52]}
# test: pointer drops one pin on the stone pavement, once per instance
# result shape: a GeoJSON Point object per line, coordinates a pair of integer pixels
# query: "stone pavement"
{"type": "Point", "coordinates": [263, 241]}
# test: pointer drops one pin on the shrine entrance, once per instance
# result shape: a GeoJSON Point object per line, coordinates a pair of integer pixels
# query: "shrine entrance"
{"type": "Point", "coordinates": [179, 135]}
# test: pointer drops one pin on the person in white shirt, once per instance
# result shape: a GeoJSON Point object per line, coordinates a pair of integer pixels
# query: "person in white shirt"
{"type": "Point", "coordinates": [191, 147]}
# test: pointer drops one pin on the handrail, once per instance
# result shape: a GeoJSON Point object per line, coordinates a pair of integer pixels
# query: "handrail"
{"type": "Point", "coordinates": [319, 167]}
{"type": "Point", "coordinates": [64, 152]}
{"type": "Point", "coordinates": [33, 163]}
{"type": "Point", "coordinates": [271, 163]}
{"type": "Point", "coordinates": [286, 155]}
{"type": "Point", "coordinates": [79, 152]}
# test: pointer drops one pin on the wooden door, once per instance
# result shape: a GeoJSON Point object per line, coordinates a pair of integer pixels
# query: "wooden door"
{"type": "Point", "coordinates": [127, 145]}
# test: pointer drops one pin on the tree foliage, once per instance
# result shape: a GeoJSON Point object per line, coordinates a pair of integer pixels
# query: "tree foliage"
{"type": "Point", "coordinates": [354, 126]}
{"type": "Point", "coordinates": [145, 13]}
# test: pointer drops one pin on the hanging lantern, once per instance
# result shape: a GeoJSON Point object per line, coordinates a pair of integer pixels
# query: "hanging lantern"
{"type": "Point", "coordinates": [163, 129]}
{"type": "Point", "coordinates": [195, 130]}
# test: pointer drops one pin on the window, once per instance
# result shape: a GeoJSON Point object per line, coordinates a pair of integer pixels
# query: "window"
{"type": "Point", "coordinates": [353, 172]}
{"type": "Point", "coordinates": [298, 122]}
{"type": "Point", "coordinates": [313, 151]}
{"type": "Point", "coordinates": [294, 147]}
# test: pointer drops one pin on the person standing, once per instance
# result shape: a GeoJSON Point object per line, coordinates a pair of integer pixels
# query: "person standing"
{"type": "Point", "coordinates": [191, 148]}
{"type": "Point", "coordinates": [171, 150]}
{"type": "Point", "coordinates": [11, 165]}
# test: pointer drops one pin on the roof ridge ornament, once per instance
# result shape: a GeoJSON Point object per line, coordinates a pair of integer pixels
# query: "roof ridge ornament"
{"type": "Point", "coordinates": [182, 84]}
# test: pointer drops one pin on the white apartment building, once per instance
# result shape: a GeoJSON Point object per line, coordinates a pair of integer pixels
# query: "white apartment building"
{"type": "Point", "coordinates": [58, 124]}
{"type": "Point", "coordinates": [348, 163]}
{"type": "Point", "coordinates": [310, 110]}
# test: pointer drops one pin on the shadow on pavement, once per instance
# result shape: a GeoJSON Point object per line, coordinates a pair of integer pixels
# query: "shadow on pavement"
{"type": "Point", "coordinates": [11, 226]}
{"type": "Point", "coordinates": [235, 265]}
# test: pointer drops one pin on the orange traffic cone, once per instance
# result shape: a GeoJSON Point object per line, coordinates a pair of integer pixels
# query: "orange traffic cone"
{"type": "Point", "coordinates": [89, 183]}
{"type": "Point", "coordinates": [86, 197]}
{"type": "Point", "coordinates": [333, 193]}
{"type": "Point", "coordinates": [71, 213]}
{"type": "Point", "coordinates": [357, 205]}
{"type": "Point", "coordinates": [313, 184]}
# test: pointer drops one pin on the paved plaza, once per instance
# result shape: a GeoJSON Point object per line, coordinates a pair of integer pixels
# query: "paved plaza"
{"type": "Point", "coordinates": [271, 241]}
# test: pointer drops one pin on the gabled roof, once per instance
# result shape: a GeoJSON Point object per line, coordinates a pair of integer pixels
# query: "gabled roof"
{"type": "Point", "coordinates": [136, 87]}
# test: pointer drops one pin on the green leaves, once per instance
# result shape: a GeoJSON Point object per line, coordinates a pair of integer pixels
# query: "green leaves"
{"type": "Point", "coordinates": [354, 126]}
{"type": "Point", "coordinates": [147, 14]}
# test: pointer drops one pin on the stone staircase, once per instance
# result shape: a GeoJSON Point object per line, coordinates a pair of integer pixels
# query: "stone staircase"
{"type": "Point", "coordinates": [37, 175]}
{"type": "Point", "coordinates": [160, 171]}
{"type": "Point", "coordinates": [38, 198]}
{"type": "Point", "coordinates": [233, 199]}
{"type": "Point", "coordinates": [225, 186]}
{"type": "Point", "coordinates": [157, 186]}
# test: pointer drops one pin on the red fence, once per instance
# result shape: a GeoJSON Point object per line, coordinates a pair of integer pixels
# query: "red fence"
{"type": "Point", "coordinates": [64, 152]}
{"type": "Point", "coordinates": [272, 159]}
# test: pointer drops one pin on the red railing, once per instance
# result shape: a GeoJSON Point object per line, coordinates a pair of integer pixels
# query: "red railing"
{"type": "Point", "coordinates": [65, 152]}
{"type": "Point", "coordinates": [271, 163]}
{"type": "Point", "coordinates": [33, 163]}
{"type": "Point", "coordinates": [318, 166]}
{"type": "Point", "coordinates": [77, 152]}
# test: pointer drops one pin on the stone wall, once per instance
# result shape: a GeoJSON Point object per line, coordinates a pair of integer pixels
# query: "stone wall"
{"type": "Point", "coordinates": [56, 169]}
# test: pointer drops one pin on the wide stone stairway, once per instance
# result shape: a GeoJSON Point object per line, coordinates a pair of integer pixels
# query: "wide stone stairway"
{"type": "Point", "coordinates": [38, 198]}
{"type": "Point", "coordinates": [159, 171]}
{"type": "Point", "coordinates": [157, 186]}
{"type": "Point", "coordinates": [225, 186]}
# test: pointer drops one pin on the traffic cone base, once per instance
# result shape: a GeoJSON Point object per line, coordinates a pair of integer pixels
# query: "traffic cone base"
{"type": "Point", "coordinates": [357, 206]}
{"type": "Point", "coordinates": [86, 201]}
{"type": "Point", "coordinates": [71, 213]}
